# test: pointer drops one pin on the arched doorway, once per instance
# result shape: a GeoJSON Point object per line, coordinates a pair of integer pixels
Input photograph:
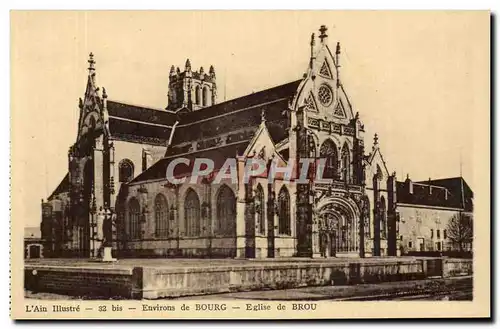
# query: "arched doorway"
{"type": "Point", "coordinates": [338, 227]}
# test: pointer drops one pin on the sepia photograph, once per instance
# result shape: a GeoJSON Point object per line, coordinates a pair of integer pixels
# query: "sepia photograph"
{"type": "Point", "coordinates": [233, 163]}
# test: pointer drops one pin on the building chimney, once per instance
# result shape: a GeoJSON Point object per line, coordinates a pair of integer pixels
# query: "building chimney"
{"type": "Point", "coordinates": [409, 184]}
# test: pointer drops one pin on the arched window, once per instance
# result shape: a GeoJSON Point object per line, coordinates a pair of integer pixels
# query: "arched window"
{"type": "Point", "coordinates": [383, 218]}
{"type": "Point", "coordinates": [125, 171]}
{"type": "Point", "coordinates": [192, 214]}
{"type": "Point", "coordinates": [226, 212]}
{"type": "Point", "coordinates": [259, 209]}
{"type": "Point", "coordinates": [134, 212]}
{"type": "Point", "coordinates": [161, 216]}
{"type": "Point", "coordinates": [284, 212]}
{"type": "Point", "coordinates": [206, 96]}
{"type": "Point", "coordinates": [197, 95]}
{"type": "Point", "coordinates": [346, 163]}
{"type": "Point", "coordinates": [328, 151]}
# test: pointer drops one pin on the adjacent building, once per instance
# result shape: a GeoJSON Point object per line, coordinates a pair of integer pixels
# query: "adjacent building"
{"type": "Point", "coordinates": [426, 210]}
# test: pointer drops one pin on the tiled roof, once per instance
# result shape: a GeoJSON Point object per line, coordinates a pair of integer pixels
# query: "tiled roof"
{"type": "Point", "coordinates": [140, 124]}
{"type": "Point", "coordinates": [141, 113]}
{"type": "Point", "coordinates": [61, 188]}
{"type": "Point", "coordinates": [218, 154]}
{"type": "Point", "coordinates": [439, 193]}
{"type": "Point", "coordinates": [239, 113]}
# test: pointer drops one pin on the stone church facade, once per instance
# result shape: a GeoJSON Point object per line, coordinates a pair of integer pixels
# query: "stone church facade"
{"type": "Point", "coordinates": [117, 168]}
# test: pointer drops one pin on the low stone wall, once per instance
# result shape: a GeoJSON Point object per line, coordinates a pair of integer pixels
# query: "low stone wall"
{"type": "Point", "coordinates": [90, 282]}
{"type": "Point", "coordinates": [165, 282]}
{"type": "Point", "coordinates": [454, 267]}
{"type": "Point", "coordinates": [193, 281]}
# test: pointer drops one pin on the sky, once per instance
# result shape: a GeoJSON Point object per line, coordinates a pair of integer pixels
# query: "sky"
{"type": "Point", "coordinates": [418, 79]}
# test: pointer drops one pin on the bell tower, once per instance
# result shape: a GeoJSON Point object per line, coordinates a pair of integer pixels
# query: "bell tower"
{"type": "Point", "coordinates": [191, 90]}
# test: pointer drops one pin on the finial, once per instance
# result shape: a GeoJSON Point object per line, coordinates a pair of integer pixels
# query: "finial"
{"type": "Point", "coordinates": [104, 95]}
{"type": "Point", "coordinates": [188, 65]}
{"type": "Point", "coordinates": [407, 176]}
{"type": "Point", "coordinates": [375, 139]}
{"type": "Point", "coordinates": [337, 51]}
{"type": "Point", "coordinates": [202, 71]}
{"type": "Point", "coordinates": [323, 34]}
{"type": "Point", "coordinates": [212, 70]}
{"type": "Point", "coordinates": [263, 116]}
{"type": "Point", "coordinates": [312, 40]}
{"type": "Point", "coordinates": [178, 71]}
{"type": "Point", "coordinates": [80, 103]}
{"type": "Point", "coordinates": [172, 70]}
{"type": "Point", "coordinates": [356, 116]}
{"type": "Point", "coordinates": [91, 62]}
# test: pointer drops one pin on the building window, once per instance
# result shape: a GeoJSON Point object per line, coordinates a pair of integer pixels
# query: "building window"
{"type": "Point", "coordinates": [328, 151]}
{"type": "Point", "coordinates": [259, 209]}
{"type": "Point", "coordinates": [191, 213]}
{"type": "Point", "coordinates": [284, 212]}
{"type": "Point", "coordinates": [134, 212]}
{"type": "Point", "coordinates": [438, 246]}
{"type": "Point", "coordinates": [197, 95]}
{"type": "Point", "coordinates": [410, 244]}
{"type": "Point", "coordinates": [432, 233]}
{"type": "Point", "coordinates": [226, 212]}
{"type": "Point", "coordinates": [161, 216]}
{"type": "Point", "coordinates": [444, 234]}
{"type": "Point", "coordinates": [205, 96]}
{"type": "Point", "coordinates": [438, 234]}
{"type": "Point", "coordinates": [125, 171]}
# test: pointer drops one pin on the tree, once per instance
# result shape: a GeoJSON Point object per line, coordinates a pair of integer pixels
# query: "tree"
{"type": "Point", "coordinates": [460, 230]}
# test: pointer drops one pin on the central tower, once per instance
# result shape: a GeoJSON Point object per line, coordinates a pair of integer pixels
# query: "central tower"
{"type": "Point", "coordinates": [191, 90]}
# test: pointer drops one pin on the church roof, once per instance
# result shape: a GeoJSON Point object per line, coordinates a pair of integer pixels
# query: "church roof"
{"type": "Point", "coordinates": [140, 124]}
{"type": "Point", "coordinates": [153, 126]}
{"type": "Point", "coordinates": [445, 192]}
{"type": "Point", "coordinates": [217, 154]}
{"type": "Point", "coordinates": [61, 188]}
{"type": "Point", "coordinates": [242, 112]}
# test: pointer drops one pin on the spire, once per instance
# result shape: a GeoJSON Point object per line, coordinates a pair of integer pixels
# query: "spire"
{"type": "Point", "coordinates": [202, 71]}
{"type": "Point", "coordinates": [375, 142]}
{"type": "Point", "coordinates": [188, 65]}
{"type": "Point", "coordinates": [337, 63]}
{"type": "Point", "coordinates": [91, 69]}
{"type": "Point", "coordinates": [172, 70]}
{"type": "Point", "coordinates": [91, 63]}
{"type": "Point", "coordinates": [311, 64]}
{"type": "Point", "coordinates": [212, 71]}
{"type": "Point", "coordinates": [323, 36]}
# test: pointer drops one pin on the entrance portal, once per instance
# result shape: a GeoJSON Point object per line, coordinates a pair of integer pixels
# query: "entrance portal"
{"type": "Point", "coordinates": [338, 227]}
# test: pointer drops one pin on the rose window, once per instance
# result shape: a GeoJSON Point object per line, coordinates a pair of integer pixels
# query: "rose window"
{"type": "Point", "coordinates": [325, 95]}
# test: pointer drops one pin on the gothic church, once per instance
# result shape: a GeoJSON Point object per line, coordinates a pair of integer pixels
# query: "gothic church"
{"type": "Point", "coordinates": [117, 169]}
